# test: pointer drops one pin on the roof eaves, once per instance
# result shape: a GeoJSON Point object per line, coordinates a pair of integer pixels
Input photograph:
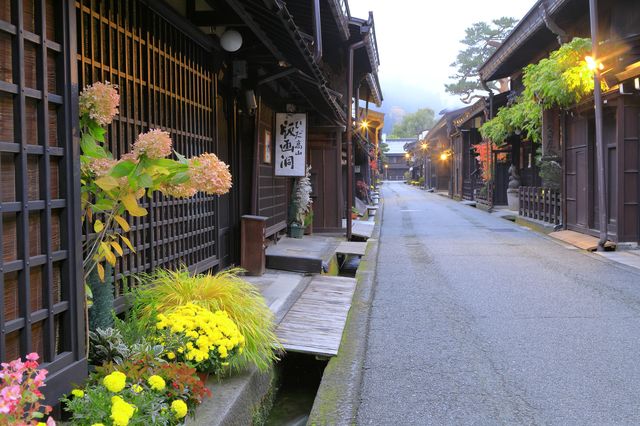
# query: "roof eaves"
{"type": "Point", "coordinates": [528, 25]}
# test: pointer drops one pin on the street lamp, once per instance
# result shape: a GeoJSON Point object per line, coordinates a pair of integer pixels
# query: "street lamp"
{"type": "Point", "coordinates": [386, 171]}
{"type": "Point", "coordinates": [424, 146]}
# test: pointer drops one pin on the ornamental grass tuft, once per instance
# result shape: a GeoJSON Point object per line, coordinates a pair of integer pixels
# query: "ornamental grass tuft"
{"type": "Point", "coordinates": [164, 290]}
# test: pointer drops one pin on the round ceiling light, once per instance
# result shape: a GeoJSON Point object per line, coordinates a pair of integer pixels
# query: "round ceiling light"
{"type": "Point", "coordinates": [231, 40]}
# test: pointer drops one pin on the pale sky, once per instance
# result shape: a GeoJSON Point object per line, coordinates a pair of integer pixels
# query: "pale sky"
{"type": "Point", "coordinates": [419, 39]}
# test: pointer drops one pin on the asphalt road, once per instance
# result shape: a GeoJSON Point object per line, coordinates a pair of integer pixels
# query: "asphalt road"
{"type": "Point", "coordinates": [476, 320]}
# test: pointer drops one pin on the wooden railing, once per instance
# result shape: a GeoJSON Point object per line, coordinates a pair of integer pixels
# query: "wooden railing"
{"type": "Point", "coordinates": [485, 197]}
{"type": "Point", "coordinates": [541, 203]}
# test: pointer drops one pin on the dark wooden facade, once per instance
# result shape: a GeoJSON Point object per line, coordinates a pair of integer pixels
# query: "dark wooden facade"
{"type": "Point", "coordinates": [621, 136]}
{"type": "Point", "coordinates": [325, 157]}
{"type": "Point", "coordinates": [569, 136]}
{"type": "Point", "coordinates": [271, 192]}
{"type": "Point", "coordinates": [40, 260]}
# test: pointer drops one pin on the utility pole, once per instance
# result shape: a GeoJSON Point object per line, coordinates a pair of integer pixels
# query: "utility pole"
{"type": "Point", "coordinates": [600, 148]}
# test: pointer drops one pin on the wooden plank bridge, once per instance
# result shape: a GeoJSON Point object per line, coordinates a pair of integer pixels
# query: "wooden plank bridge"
{"type": "Point", "coordinates": [315, 323]}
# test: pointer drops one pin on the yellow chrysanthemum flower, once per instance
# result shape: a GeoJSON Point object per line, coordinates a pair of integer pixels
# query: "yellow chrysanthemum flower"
{"type": "Point", "coordinates": [179, 408]}
{"type": "Point", "coordinates": [78, 393]}
{"type": "Point", "coordinates": [115, 381]}
{"type": "Point", "coordinates": [156, 383]}
{"type": "Point", "coordinates": [121, 411]}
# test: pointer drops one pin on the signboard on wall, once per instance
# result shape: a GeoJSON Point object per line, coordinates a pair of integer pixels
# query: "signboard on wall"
{"type": "Point", "coordinates": [291, 144]}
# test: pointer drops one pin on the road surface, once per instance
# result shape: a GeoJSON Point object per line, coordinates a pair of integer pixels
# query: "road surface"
{"type": "Point", "coordinates": [476, 320]}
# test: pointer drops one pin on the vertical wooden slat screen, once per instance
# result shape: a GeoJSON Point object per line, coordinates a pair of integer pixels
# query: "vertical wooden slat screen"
{"type": "Point", "coordinates": [40, 291]}
{"type": "Point", "coordinates": [165, 81]}
{"type": "Point", "coordinates": [272, 190]}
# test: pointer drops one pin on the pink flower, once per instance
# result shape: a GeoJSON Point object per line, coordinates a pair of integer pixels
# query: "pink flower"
{"type": "Point", "coordinates": [154, 144]}
{"type": "Point", "coordinates": [11, 393]}
{"type": "Point", "coordinates": [129, 156]}
{"type": "Point", "coordinates": [100, 102]}
{"type": "Point", "coordinates": [209, 175]}
{"type": "Point", "coordinates": [33, 356]}
{"type": "Point", "coordinates": [183, 190]}
{"type": "Point", "coordinates": [101, 166]}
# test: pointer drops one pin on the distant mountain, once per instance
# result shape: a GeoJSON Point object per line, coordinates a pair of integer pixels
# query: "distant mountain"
{"type": "Point", "coordinates": [401, 98]}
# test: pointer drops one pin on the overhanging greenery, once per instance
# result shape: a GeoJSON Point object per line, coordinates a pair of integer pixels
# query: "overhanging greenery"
{"type": "Point", "coordinates": [563, 79]}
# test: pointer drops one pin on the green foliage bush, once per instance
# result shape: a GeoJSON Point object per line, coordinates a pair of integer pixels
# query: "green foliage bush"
{"type": "Point", "coordinates": [563, 79]}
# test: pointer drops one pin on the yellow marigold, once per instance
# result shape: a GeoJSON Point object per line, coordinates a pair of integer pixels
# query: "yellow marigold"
{"type": "Point", "coordinates": [78, 393]}
{"type": "Point", "coordinates": [97, 424]}
{"type": "Point", "coordinates": [121, 411]}
{"type": "Point", "coordinates": [179, 408]}
{"type": "Point", "coordinates": [171, 355]}
{"type": "Point", "coordinates": [136, 388]}
{"type": "Point", "coordinates": [156, 383]}
{"type": "Point", "coordinates": [115, 381]}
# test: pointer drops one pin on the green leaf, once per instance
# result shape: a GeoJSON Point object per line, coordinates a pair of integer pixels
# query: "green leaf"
{"type": "Point", "coordinates": [98, 225]}
{"type": "Point", "coordinates": [145, 180]}
{"type": "Point", "coordinates": [165, 162]}
{"type": "Point", "coordinates": [181, 158]}
{"type": "Point", "coordinates": [123, 168]}
{"type": "Point", "coordinates": [91, 149]}
{"type": "Point", "coordinates": [179, 178]}
{"type": "Point", "coordinates": [97, 131]}
{"type": "Point", "coordinates": [103, 205]}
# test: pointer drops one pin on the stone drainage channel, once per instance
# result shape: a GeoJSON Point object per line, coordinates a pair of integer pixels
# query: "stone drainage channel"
{"type": "Point", "coordinates": [298, 377]}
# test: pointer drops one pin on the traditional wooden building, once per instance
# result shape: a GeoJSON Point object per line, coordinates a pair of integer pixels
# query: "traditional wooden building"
{"type": "Point", "coordinates": [397, 159]}
{"type": "Point", "coordinates": [441, 175]}
{"type": "Point", "coordinates": [569, 136]}
{"type": "Point", "coordinates": [169, 61]}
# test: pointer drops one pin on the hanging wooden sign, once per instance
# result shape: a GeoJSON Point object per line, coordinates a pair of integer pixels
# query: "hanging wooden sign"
{"type": "Point", "coordinates": [290, 144]}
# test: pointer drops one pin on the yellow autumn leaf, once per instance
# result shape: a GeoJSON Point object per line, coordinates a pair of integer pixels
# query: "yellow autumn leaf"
{"type": "Point", "coordinates": [110, 257]}
{"type": "Point", "coordinates": [105, 250]}
{"type": "Point", "coordinates": [123, 223]}
{"type": "Point", "coordinates": [127, 242]}
{"type": "Point", "coordinates": [98, 225]}
{"type": "Point", "coordinates": [117, 247]}
{"type": "Point", "coordinates": [131, 204]}
{"type": "Point", "coordinates": [100, 271]}
{"type": "Point", "coordinates": [107, 183]}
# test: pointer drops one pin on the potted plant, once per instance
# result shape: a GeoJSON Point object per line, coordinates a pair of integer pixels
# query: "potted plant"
{"type": "Point", "coordinates": [354, 213]}
{"type": "Point", "coordinates": [301, 204]}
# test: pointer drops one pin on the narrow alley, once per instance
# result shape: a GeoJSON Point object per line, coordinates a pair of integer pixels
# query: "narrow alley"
{"type": "Point", "coordinates": [476, 320]}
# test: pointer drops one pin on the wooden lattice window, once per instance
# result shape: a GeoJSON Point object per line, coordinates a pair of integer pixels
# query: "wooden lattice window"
{"type": "Point", "coordinates": [40, 294]}
{"type": "Point", "coordinates": [165, 81]}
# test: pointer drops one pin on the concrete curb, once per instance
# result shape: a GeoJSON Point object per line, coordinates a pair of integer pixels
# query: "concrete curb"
{"type": "Point", "coordinates": [235, 399]}
{"type": "Point", "coordinates": [338, 396]}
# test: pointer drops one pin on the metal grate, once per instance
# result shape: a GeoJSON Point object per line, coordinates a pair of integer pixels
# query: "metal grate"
{"type": "Point", "coordinates": [166, 81]}
{"type": "Point", "coordinates": [40, 295]}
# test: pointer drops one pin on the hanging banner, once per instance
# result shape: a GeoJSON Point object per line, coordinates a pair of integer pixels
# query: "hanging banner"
{"type": "Point", "coordinates": [291, 144]}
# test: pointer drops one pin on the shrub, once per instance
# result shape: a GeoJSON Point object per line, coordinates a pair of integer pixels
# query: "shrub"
{"type": "Point", "coordinates": [225, 291]}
